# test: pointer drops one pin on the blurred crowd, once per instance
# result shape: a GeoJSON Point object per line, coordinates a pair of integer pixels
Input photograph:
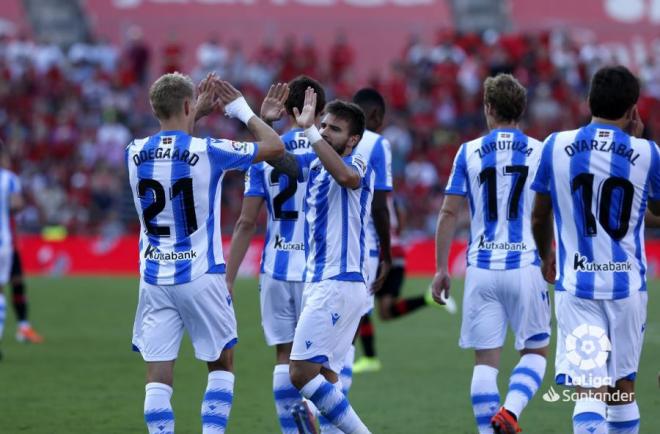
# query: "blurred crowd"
{"type": "Point", "coordinates": [67, 115]}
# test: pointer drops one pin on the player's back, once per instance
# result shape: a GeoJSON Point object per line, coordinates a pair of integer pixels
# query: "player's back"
{"type": "Point", "coordinates": [176, 182]}
{"type": "Point", "coordinates": [600, 184]}
{"type": "Point", "coordinates": [9, 185]}
{"type": "Point", "coordinates": [283, 256]}
{"type": "Point", "coordinates": [495, 172]}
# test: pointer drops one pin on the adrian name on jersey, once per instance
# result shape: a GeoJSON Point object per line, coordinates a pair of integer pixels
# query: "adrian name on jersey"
{"type": "Point", "coordinates": [153, 254]}
{"type": "Point", "coordinates": [492, 245]}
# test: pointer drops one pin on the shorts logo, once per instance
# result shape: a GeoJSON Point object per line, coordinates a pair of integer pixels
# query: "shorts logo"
{"type": "Point", "coordinates": [587, 348]}
{"type": "Point", "coordinates": [153, 254]}
{"type": "Point", "coordinates": [492, 245]}
{"type": "Point", "coordinates": [308, 344]}
{"type": "Point", "coordinates": [281, 244]}
{"type": "Point", "coordinates": [229, 300]}
{"type": "Point", "coordinates": [335, 318]}
{"type": "Point", "coordinates": [581, 263]}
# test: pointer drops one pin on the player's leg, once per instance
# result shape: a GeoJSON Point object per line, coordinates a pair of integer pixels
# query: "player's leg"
{"type": "Point", "coordinates": [369, 361]}
{"type": "Point", "coordinates": [627, 336]}
{"type": "Point", "coordinates": [577, 319]}
{"type": "Point", "coordinates": [157, 334]}
{"type": "Point", "coordinates": [390, 305]}
{"type": "Point", "coordinates": [483, 328]}
{"type": "Point", "coordinates": [526, 301]}
{"type": "Point", "coordinates": [5, 258]}
{"type": "Point", "coordinates": [206, 309]}
{"type": "Point", "coordinates": [25, 332]}
{"type": "Point", "coordinates": [325, 330]}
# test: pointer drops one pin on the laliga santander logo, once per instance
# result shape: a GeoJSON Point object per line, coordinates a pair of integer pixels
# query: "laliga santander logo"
{"type": "Point", "coordinates": [587, 347]}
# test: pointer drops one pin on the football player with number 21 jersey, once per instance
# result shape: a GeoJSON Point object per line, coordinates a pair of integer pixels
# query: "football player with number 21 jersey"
{"type": "Point", "coordinates": [176, 182]}
{"type": "Point", "coordinates": [597, 182]}
{"type": "Point", "coordinates": [503, 282]}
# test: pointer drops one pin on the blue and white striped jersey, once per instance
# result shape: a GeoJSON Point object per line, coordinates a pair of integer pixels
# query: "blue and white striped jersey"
{"type": "Point", "coordinates": [599, 179]}
{"type": "Point", "coordinates": [283, 257]}
{"type": "Point", "coordinates": [176, 181]}
{"type": "Point", "coordinates": [495, 172]}
{"type": "Point", "coordinates": [377, 152]}
{"type": "Point", "coordinates": [335, 231]}
{"type": "Point", "coordinates": [10, 185]}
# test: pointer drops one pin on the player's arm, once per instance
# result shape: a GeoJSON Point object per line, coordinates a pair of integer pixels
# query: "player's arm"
{"type": "Point", "coordinates": [244, 230]}
{"type": "Point", "coordinates": [345, 175]}
{"type": "Point", "coordinates": [269, 144]}
{"type": "Point", "coordinates": [381, 217]}
{"type": "Point", "coordinates": [543, 234]}
{"type": "Point", "coordinates": [653, 214]}
{"type": "Point", "coordinates": [444, 234]}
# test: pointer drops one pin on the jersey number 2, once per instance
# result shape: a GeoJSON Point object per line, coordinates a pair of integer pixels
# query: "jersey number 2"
{"type": "Point", "coordinates": [283, 196]}
{"type": "Point", "coordinates": [182, 187]}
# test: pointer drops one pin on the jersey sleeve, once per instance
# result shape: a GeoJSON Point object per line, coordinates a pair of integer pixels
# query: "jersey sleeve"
{"type": "Point", "coordinates": [654, 175]}
{"type": "Point", "coordinates": [381, 163]}
{"type": "Point", "coordinates": [304, 163]}
{"type": "Point", "coordinates": [254, 181]}
{"type": "Point", "coordinates": [358, 163]}
{"type": "Point", "coordinates": [15, 184]}
{"type": "Point", "coordinates": [228, 154]}
{"type": "Point", "coordinates": [543, 178]}
{"type": "Point", "coordinates": [457, 183]}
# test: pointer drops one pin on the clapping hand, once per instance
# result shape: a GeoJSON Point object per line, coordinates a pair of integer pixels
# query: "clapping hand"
{"type": "Point", "coordinates": [305, 119]}
{"type": "Point", "coordinates": [272, 109]}
{"type": "Point", "coordinates": [207, 99]}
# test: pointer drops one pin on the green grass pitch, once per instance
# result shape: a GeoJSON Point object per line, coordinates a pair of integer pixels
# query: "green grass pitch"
{"type": "Point", "coordinates": [85, 379]}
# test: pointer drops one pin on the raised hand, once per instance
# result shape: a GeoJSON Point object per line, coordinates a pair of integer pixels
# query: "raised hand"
{"type": "Point", "coordinates": [635, 125]}
{"type": "Point", "coordinates": [440, 286]}
{"type": "Point", "coordinates": [272, 108]}
{"type": "Point", "coordinates": [207, 98]}
{"type": "Point", "coordinates": [227, 93]}
{"type": "Point", "coordinates": [305, 119]}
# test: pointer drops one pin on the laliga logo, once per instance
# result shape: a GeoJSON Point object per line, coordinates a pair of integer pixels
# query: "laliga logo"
{"type": "Point", "coordinates": [587, 347]}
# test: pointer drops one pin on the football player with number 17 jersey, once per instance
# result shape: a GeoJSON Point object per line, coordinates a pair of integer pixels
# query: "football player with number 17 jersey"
{"type": "Point", "coordinates": [597, 181]}
{"type": "Point", "coordinates": [176, 182]}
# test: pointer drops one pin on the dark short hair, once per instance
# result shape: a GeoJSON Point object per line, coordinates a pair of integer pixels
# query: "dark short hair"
{"type": "Point", "coordinates": [614, 90]}
{"type": "Point", "coordinates": [296, 98]}
{"type": "Point", "coordinates": [368, 97]}
{"type": "Point", "coordinates": [350, 112]}
{"type": "Point", "coordinates": [506, 97]}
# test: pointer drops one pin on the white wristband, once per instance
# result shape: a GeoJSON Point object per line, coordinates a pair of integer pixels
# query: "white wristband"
{"type": "Point", "coordinates": [313, 135]}
{"type": "Point", "coordinates": [239, 109]}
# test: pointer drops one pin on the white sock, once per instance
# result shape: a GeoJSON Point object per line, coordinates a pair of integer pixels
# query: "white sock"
{"type": "Point", "coordinates": [333, 405]}
{"type": "Point", "coordinates": [526, 379]}
{"type": "Point", "coordinates": [157, 408]}
{"type": "Point", "coordinates": [217, 402]}
{"type": "Point", "coordinates": [485, 396]}
{"type": "Point", "coordinates": [286, 396]}
{"type": "Point", "coordinates": [623, 419]}
{"type": "Point", "coordinates": [589, 417]}
{"type": "Point", "coordinates": [346, 374]}
{"type": "Point", "coordinates": [3, 309]}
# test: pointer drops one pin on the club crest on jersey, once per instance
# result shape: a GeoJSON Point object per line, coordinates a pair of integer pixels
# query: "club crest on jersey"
{"type": "Point", "coordinates": [581, 263]}
{"type": "Point", "coordinates": [153, 254]}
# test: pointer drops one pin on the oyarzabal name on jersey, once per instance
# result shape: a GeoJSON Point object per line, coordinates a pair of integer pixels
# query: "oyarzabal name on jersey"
{"type": "Point", "coordinates": [165, 154]}
{"type": "Point", "coordinates": [492, 245]}
{"type": "Point", "coordinates": [154, 254]}
{"type": "Point", "coordinates": [504, 145]}
{"type": "Point", "coordinates": [281, 244]}
{"type": "Point", "coordinates": [581, 263]}
{"type": "Point", "coordinates": [603, 146]}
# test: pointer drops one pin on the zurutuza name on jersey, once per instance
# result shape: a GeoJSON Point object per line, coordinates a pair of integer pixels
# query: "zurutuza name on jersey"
{"type": "Point", "coordinates": [604, 146]}
{"type": "Point", "coordinates": [581, 263]}
{"type": "Point", "coordinates": [281, 244]}
{"type": "Point", "coordinates": [504, 145]}
{"type": "Point", "coordinates": [492, 245]}
{"type": "Point", "coordinates": [154, 254]}
{"type": "Point", "coordinates": [165, 154]}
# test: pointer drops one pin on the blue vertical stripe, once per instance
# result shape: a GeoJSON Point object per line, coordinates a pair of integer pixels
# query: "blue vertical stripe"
{"type": "Point", "coordinates": [584, 287]}
{"type": "Point", "coordinates": [619, 167]}
{"type": "Point", "coordinates": [639, 247]}
{"type": "Point", "coordinates": [214, 181]}
{"type": "Point", "coordinates": [180, 170]}
{"type": "Point", "coordinates": [344, 230]}
{"type": "Point", "coordinates": [4, 206]}
{"type": "Point", "coordinates": [487, 160]}
{"type": "Point", "coordinates": [364, 198]}
{"type": "Point", "coordinates": [146, 171]}
{"type": "Point", "coordinates": [515, 226]}
{"type": "Point", "coordinates": [320, 232]}
{"type": "Point", "coordinates": [269, 232]}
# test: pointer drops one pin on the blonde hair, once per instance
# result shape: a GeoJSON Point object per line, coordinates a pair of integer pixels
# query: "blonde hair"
{"type": "Point", "coordinates": [506, 97]}
{"type": "Point", "coordinates": [167, 94]}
